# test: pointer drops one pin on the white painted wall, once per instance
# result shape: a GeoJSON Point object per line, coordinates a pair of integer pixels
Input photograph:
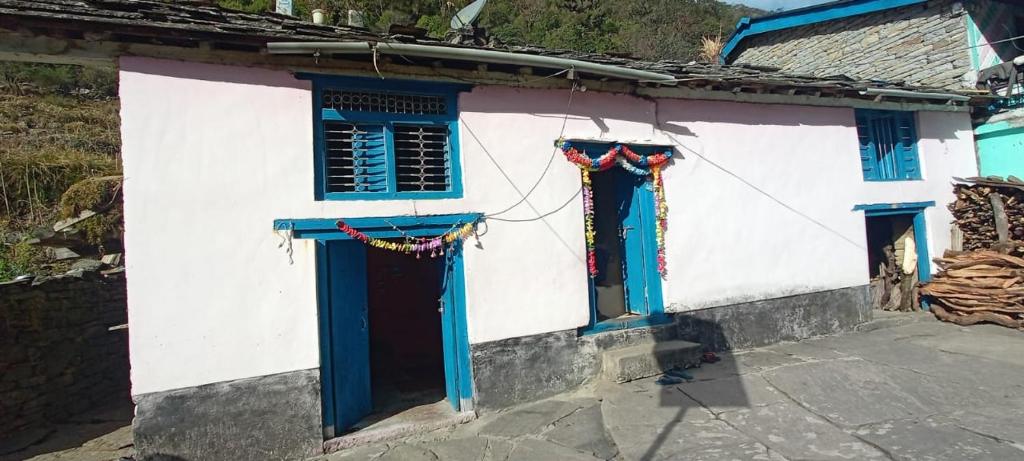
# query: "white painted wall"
{"type": "Point", "coordinates": [213, 154]}
{"type": "Point", "coordinates": [761, 205]}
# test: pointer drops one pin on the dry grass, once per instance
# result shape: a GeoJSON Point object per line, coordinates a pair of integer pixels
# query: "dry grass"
{"type": "Point", "coordinates": [710, 48]}
{"type": "Point", "coordinates": [48, 143]}
{"type": "Point", "coordinates": [100, 194]}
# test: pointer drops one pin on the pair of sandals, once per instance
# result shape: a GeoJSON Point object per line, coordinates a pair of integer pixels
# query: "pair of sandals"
{"type": "Point", "coordinates": [674, 376]}
{"type": "Point", "coordinates": [679, 375]}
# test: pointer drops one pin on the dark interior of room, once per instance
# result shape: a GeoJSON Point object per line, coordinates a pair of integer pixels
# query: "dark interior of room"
{"type": "Point", "coordinates": [611, 301]}
{"type": "Point", "coordinates": [883, 231]}
{"type": "Point", "coordinates": [406, 349]}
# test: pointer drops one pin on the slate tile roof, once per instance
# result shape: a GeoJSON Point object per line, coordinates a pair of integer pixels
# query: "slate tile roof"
{"type": "Point", "coordinates": [196, 21]}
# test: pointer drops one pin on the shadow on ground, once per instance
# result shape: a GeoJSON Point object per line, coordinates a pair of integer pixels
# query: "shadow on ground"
{"type": "Point", "coordinates": [101, 434]}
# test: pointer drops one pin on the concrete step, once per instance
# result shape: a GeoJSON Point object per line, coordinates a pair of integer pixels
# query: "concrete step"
{"type": "Point", "coordinates": [649, 359]}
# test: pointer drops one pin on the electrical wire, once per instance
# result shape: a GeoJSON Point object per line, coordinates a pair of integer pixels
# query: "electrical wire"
{"type": "Point", "coordinates": [554, 153]}
{"type": "Point", "coordinates": [543, 215]}
{"type": "Point", "coordinates": [766, 194]}
{"type": "Point", "coordinates": [995, 42]}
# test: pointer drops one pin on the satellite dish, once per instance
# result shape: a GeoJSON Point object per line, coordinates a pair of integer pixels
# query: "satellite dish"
{"type": "Point", "coordinates": [466, 16]}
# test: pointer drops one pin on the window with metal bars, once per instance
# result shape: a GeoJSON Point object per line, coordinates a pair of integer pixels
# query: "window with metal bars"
{"type": "Point", "coordinates": [392, 142]}
{"type": "Point", "coordinates": [888, 145]}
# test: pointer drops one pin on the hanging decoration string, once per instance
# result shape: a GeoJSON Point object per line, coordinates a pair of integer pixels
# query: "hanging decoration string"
{"type": "Point", "coordinates": [635, 164]}
{"type": "Point", "coordinates": [437, 246]}
{"type": "Point", "coordinates": [588, 216]}
{"type": "Point", "coordinates": [661, 214]}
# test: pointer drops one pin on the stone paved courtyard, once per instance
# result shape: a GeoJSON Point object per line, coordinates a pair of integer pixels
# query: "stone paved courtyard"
{"type": "Point", "coordinates": [905, 387]}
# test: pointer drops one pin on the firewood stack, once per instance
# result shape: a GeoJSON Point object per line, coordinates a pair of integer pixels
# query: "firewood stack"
{"type": "Point", "coordinates": [985, 282]}
{"type": "Point", "coordinates": [978, 286]}
{"type": "Point", "coordinates": [990, 213]}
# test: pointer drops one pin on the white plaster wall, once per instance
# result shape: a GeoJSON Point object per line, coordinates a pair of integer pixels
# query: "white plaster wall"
{"type": "Point", "coordinates": [213, 154]}
{"type": "Point", "coordinates": [761, 202]}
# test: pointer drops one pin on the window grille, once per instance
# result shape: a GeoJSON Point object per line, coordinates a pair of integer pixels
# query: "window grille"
{"type": "Point", "coordinates": [422, 157]}
{"type": "Point", "coordinates": [888, 145]}
{"type": "Point", "coordinates": [355, 157]}
{"type": "Point", "coordinates": [383, 102]}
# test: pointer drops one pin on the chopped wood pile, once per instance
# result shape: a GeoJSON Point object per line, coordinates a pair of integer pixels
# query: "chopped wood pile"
{"type": "Point", "coordinates": [978, 286]}
{"type": "Point", "coordinates": [990, 213]}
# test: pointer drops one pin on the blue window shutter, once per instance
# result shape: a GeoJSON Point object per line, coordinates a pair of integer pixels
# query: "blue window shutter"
{"type": "Point", "coordinates": [906, 146]}
{"type": "Point", "coordinates": [868, 156]}
{"type": "Point", "coordinates": [888, 145]}
{"type": "Point", "coordinates": [355, 157]}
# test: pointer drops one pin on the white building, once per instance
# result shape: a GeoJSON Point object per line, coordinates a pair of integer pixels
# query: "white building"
{"type": "Point", "coordinates": [251, 311]}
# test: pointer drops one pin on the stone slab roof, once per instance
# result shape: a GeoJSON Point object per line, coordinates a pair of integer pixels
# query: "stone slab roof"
{"type": "Point", "coordinates": [191, 22]}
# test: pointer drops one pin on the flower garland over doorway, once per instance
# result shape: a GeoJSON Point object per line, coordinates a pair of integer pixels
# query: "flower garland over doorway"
{"type": "Point", "coordinates": [418, 245]}
{"type": "Point", "coordinates": [633, 163]}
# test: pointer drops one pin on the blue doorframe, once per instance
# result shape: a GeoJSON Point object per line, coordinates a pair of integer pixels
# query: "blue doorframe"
{"type": "Point", "coordinates": [916, 210]}
{"type": "Point", "coordinates": [455, 336]}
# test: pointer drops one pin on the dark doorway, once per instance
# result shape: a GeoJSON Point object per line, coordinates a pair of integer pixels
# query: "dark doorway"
{"type": "Point", "coordinates": [892, 261]}
{"type": "Point", "coordinates": [609, 284]}
{"type": "Point", "coordinates": [406, 345]}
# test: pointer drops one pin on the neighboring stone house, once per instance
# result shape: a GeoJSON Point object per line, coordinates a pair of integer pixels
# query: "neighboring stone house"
{"type": "Point", "coordinates": [921, 42]}
{"type": "Point", "coordinates": [325, 224]}
{"type": "Point", "coordinates": [938, 43]}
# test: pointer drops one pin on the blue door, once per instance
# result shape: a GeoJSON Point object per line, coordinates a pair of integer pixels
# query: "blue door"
{"type": "Point", "coordinates": [451, 370]}
{"type": "Point", "coordinates": [631, 228]}
{"type": "Point", "coordinates": [344, 333]}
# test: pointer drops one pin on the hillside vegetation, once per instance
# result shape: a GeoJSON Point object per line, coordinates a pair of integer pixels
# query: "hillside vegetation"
{"type": "Point", "coordinates": [58, 126]}
{"type": "Point", "coordinates": [648, 29]}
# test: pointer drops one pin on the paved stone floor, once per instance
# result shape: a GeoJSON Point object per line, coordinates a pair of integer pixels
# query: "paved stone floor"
{"type": "Point", "coordinates": [905, 387]}
{"type": "Point", "coordinates": [100, 435]}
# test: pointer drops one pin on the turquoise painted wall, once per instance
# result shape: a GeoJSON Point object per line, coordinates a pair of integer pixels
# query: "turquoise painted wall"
{"type": "Point", "coordinates": [1001, 147]}
{"type": "Point", "coordinates": [1000, 144]}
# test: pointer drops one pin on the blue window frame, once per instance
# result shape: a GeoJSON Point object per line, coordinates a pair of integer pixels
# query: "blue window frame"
{"type": "Point", "coordinates": [385, 140]}
{"type": "Point", "coordinates": [888, 145]}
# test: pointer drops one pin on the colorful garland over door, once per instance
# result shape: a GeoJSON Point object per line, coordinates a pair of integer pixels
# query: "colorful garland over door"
{"type": "Point", "coordinates": [633, 163]}
{"type": "Point", "coordinates": [437, 245]}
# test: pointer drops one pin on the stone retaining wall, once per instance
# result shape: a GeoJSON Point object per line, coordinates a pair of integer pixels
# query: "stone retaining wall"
{"type": "Point", "coordinates": [58, 357]}
{"type": "Point", "coordinates": [923, 44]}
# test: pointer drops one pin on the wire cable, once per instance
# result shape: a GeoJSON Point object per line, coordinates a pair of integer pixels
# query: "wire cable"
{"type": "Point", "coordinates": [554, 153]}
{"type": "Point", "coordinates": [543, 215]}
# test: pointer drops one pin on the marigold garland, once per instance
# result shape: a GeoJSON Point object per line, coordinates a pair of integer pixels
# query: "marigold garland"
{"type": "Point", "coordinates": [635, 164]}
{"type": "Point", "coordinates": [436, 245]}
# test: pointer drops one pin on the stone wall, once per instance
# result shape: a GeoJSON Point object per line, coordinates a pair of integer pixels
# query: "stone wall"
{"type": "Point", "coordinates": [58, 357]}
{"type": "Point", "coordinates": [923, 44]}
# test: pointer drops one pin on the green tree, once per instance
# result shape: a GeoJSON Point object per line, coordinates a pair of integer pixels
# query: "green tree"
{"type": "Point", "coordinates": [649, 29]}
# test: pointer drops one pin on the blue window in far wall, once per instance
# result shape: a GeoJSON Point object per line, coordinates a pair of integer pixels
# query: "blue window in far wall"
{"type": "Point", "coordinates": [380, 140]}
{"type": "Point", "coordinates": [888, 145]}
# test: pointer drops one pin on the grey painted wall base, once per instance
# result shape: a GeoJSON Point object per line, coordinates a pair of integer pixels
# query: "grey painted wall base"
{"type": "Point", "coordinates": [517, 370]}
{"type": "Point", "coordinates": [278, 417]}
{"type": "Point", "coordinates": [274, 417]}
{"type": "Point", "coordinates": [770, 321]}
